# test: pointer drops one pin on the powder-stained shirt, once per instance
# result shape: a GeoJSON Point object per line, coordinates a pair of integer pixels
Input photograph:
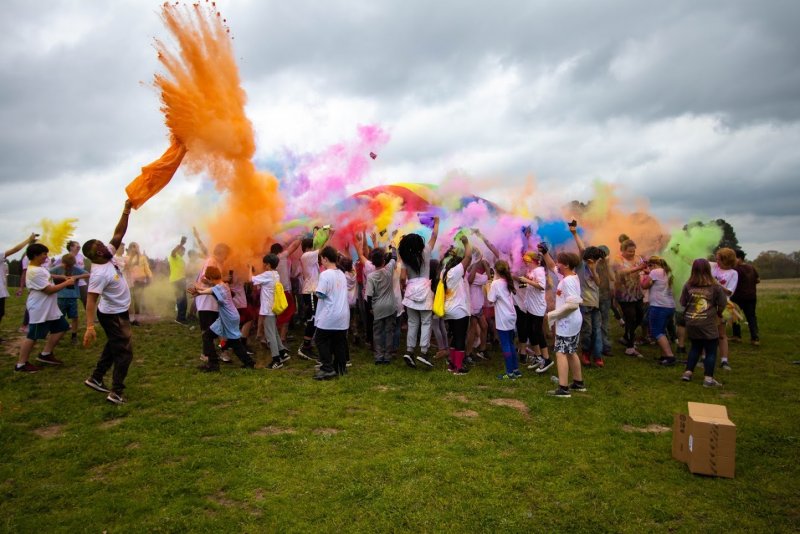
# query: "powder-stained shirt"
{"type": "Point", "coordinates": [628, 287]}
{"type": "Point", "coordinates": [380, 286]}
{"type": "Point", "coordinates": [703, 307]}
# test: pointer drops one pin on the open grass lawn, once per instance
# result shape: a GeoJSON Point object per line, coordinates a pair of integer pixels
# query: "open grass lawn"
{"type": "Point", "coordinates": [389, 448]}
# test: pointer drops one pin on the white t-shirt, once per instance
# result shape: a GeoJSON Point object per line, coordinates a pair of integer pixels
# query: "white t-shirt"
{"type": "Point", "coordinates": [456, 299]}
{"type": "Point", "coordinates": [369, 267]}
{"type": "Point", "coordinates": [476, 295]}
{"type": "Point", "coordinates": [207, 302]}
{"type": "Point", "coordinates": [3, 275]}
{"type": "Point", "coordinates": [310, 263]}
{"type": "Point", "coordinates": [535, 301]}
{"type": "Point", "coordinates": [505, 316]}
{"type": "Point", "coordinates": [660, 292]}
{"type": "Point", "coordinates": [41, 306]}
{"type": "Point", "coordinates": [333, 311]}
{"type": "Point", "coordinates": [569, 288]}
{"type": "Point", "coordinates": [266, 281]}
{"type": "Point", "coordinates": [727, 278]}
{"type": "Point", "coordinates": [107, 281]}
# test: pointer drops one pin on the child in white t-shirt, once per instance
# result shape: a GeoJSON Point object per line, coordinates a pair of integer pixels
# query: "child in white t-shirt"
{"type": "Point", "coordinates": [727, 276]}
{"type": "Point", "coordinates": [536, 304]}
{"type": "Point", "coordinates": [456, 303]}
{"type": "Point", "coordinates": [332, 317]}
{"type": "Point", "coordinates": [267, 281]}
{"type": "Point", "coordinates": [568, 320]}
{"type": "Point", "coordinates": [505, 315]}
{"type": "Point", "coordinates": [46, 319]}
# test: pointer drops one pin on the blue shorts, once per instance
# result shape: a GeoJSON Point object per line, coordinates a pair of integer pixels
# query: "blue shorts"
{"type": "Point", "coordinates": [69, 307]}
{"type": "Point", "coordinates": [40, 330]}
{"type": "Point", "coordinates": [659, 317]}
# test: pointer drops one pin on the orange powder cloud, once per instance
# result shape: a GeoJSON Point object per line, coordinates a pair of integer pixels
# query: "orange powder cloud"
{"type": "Point", "coordinates": [204, 107]}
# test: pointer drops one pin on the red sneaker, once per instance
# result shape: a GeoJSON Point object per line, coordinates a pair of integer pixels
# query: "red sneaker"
{"type": "Point", "coordinates": [599, 362]}
{"type": "Point", "coordinates": [585, 359]}
{"type": "Point", "coordinates": [49, 359]}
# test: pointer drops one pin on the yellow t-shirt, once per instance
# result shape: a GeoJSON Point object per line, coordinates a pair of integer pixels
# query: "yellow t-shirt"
{"type": "Point", "coordinates": [177, 268]}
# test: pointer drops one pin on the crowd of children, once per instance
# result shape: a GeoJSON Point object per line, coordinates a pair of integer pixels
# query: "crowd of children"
{"type": "Point", "coordinates": [526, 301]}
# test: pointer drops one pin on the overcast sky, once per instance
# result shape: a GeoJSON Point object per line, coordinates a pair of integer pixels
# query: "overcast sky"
{"type": "Point", "coordinates": [693, 105]}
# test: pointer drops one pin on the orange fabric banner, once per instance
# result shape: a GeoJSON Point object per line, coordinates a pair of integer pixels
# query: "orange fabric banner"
{"type": "Point", "coordinates": [155, 175]}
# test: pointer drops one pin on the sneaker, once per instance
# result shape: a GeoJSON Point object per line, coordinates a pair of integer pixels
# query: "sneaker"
{"type": "Point", "coordinates": [409, 359]}
{"type": "Point", "coordinates": [324, 375]}
{"type": "Point", "coordinates": [225, 358]}
{"type": "Point", "coordinates": [631, 351]}
{"type": "Point", "coordinates": [480, 355]}
{"type": "Point", "coordinates": [711, 383]}
{"type": "Point", "coordinates": [284, 356]}
{"type": "Point", "coordinates": [736, 339]}
{"type": "Point", "coordinates": [585, 359]}
{"type": "Point", "coordinates": [182, 323]}
{"type": "Point", "coordinates": [97, 386]}
{"type": "Point", "coordinates": [667, 361]}
{"type": "Point", "coordinates": [517, 374]}
{"type": "Point", "coordinates": [27, 367]}
{"type": "Point", "coordinates": [307, 353]}
{"type": "Point", "coordinates": [208, 368]}
{"type": "Point", "coordinates": [461, 371]}
{"type": "Point", "coordinates": [545, 366]}
{"type": "Point", "coordinates": [349, 364]}
{"type": "Point", "coordinates": [49, 359]}
{"type": "Point", "coordinates": [423, 359]}
{"type": "Point", "coordinates": [276, 364]}
{"type": "Point", "coordinates": [560, 392]}
{"type": "Point", "coordinates": [507, 376]}
{"type": "Point", "coordinates": [469, 361]}
{"type": "Point", "coordinates": [116, 398]}
{"type": "Point", "coordinates": [686, 376]}
{"type": "Point", "coordinates": [577, 387]}
{"type": "Point", "coordinates": [725, 365]}
{"type": "Point", "coordinates": [755, 343]}
{"type": "Point", "coordinates": [599, 362]}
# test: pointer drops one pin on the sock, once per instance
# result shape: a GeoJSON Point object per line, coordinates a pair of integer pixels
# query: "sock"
{"type": "Point", "coordinates": [451, 358]}
{"type": "Point", "coordinates": [509, 359]}
{"type": "Point", "coordinates": [458, 359]}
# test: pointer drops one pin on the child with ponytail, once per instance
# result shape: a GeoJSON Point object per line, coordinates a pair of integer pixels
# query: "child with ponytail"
{"type": "Point", "coordinates": [501, 295]}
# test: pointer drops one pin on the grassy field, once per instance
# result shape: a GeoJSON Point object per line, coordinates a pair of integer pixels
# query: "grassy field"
{"type": "Point", "coordinates": [392, 449]}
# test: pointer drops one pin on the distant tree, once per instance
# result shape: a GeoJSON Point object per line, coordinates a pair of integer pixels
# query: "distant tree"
{"type": "Point", "coordinates": [774, 264]}
{"type": "Point", "coordinates": [729, 238]}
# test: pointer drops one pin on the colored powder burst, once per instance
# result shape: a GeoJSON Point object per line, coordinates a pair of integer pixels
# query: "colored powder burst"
{"type": "Point", "coordinates": [698, 240]}
{"type": "Point", "coordinates": [605, 220]}
{"type": "Point", "coordinates": [389, 206]}
{"type": "Point", "coordinates": [204, 106]}
{"type": "Point", "coordinates": [56, 233]}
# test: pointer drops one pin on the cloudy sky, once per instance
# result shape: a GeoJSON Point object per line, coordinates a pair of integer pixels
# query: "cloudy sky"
{"type": "Point", "coordinates": [692, 105]}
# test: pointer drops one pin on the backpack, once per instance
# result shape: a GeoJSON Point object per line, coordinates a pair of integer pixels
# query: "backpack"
{"type": "Point", "coordinates": [279, 302]}
{"type": "Point", "coordinates": [438, 300]}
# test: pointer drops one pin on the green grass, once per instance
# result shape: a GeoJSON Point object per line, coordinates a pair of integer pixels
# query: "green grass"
{"type": "Point", "coordinates": [381, 449]}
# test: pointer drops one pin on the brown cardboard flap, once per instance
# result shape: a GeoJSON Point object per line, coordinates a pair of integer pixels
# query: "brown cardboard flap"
{"type": "Point", "coordinates": [699, 410]}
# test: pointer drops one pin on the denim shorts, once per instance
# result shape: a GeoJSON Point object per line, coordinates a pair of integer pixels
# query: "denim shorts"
{"type": "Point", "coordinates": [69, 307]}
{"type": "Point", "coordinates": [659, 317]}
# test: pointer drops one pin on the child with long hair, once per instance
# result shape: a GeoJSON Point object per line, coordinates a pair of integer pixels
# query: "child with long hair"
{"type": "Point", "coordinates": [139, 275]}
{"type": "Point", "coordinates": [567, 319]}
{"type": "Point", "coordinates": [704, 300]}
{"type": "Point", "coordinates": [657, 281]}
{"type": "Point", "coordinates": [456, 303]}
{"type": "Point", "coordinates": [536, 279]}
{"type": "Point", "coordinates": [724, 272]}
{"type": "Point", "coordinates": [501, 294]}
{"type": "Point", "coordinates": [415, 254]}
{"type": "Point", "coordinates": [477, 277]}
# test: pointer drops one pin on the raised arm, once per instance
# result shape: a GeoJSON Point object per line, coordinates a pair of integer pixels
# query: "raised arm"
{"type": "Point", "coordinates": [573, 229]}
{"type": "Point", "coordinates": [294, 245]}
{"type": "Point", "coordinates": [467, 252]}
{"type": "Point", "coordinates": [122, 225]}
{"type": "Point", "coordinates": [548, 259]}
{"type": "Point", "coordinates": [434, 234]}
{"type": "Point", "coordinates": [16, 248]}
{"type": "Point", "coordinates": [360, 248]}
{"type": "Point", "coordinates": [178, 246]}
{"type": "Point", "coordinates": [200, 245]}
{"type": "Point", "coordinates": [486, 242]}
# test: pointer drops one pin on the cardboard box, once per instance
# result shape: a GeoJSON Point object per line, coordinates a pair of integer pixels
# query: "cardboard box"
{"type": "Point", "coordinates": [705, 440]}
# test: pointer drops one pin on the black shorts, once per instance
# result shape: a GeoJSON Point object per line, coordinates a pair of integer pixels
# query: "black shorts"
{"type": "Point", "coordinates": [41, 330]}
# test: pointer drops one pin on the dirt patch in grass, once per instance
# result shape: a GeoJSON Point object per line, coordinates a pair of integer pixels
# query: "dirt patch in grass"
{"type": "Point", "coordinates": [101, 472]}
{"type": "Point", "coordinates": [274, 431]}
{"type": "Point", "coordinates": [259, 494]}
{"type": "Point", "coordinates": [111, 423]}
{"type": "Point", "coordinates": [512, 403]}
{"type": "Point", "coordinates": [458, 397]}
{"type": "Point", "coordinates": [649, 429]}
{"type": "Point", "coordinates": [466, 413]}
{"type": "Point", "coordinates": [384, 388]}
{"type": "Point", "coordinates": [326, 431]}
{"type": "Point", "coordinates": [50, 432]}
{"type": "Point", "coordinates": [221, 499]}
{"type": "Point", "coordinates": [133, 446]}
{"type": "Point", "coordinates": [11, 345]}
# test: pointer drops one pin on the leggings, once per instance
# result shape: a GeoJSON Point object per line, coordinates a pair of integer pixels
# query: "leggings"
{"type": "Point", "coordinates": [537, 332]}
{"type": "Point", "coordinates": [458, 328]}
{"type": "Point", "coordinates": [440, 331]}
{"type": "Point", "coordinates": [523, 325]}
{"type": "Point", "coordinates": [699, 345]}
{"type": "Point", "coordinates": [633, 313]}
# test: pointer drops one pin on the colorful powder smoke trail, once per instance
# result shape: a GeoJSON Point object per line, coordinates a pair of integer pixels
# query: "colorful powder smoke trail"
{"type": "Point", "coordinates": [204, 106]}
